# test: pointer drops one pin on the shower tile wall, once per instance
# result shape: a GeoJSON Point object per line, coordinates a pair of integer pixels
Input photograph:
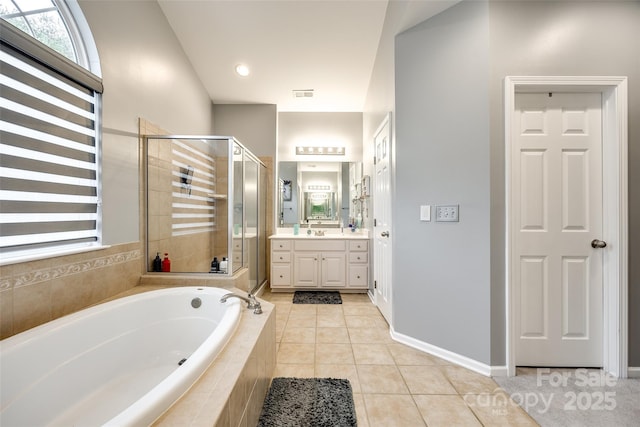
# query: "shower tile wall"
{"type": "Point", "coordinates": [188, 252]}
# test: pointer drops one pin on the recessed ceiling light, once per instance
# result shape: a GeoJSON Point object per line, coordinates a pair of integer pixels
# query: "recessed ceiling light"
{"type": "Point", "coordinates": [242, 70]}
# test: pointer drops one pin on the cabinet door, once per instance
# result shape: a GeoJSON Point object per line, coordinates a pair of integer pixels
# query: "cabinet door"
{"type": "Point", "coordinates": [305, 270]}
{"type": "Point", "coordinates": [333, 269]}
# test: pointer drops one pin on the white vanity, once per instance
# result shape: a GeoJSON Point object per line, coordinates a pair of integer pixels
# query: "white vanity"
{"type": "Point", "coordinates": [330, 262]}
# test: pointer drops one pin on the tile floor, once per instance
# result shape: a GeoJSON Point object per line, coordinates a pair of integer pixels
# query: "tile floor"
{"type": "Point", "coordinates": [393, 384]}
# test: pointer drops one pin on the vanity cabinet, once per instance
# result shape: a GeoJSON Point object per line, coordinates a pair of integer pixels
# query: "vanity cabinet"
{"type": "Point", "coordinates": [319, 263]}
{"type": "Point", "coordinates": [281, 263]}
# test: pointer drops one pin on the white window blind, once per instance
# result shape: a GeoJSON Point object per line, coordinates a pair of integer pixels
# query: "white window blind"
{"type": "Point", "coordinates": [49, 183]}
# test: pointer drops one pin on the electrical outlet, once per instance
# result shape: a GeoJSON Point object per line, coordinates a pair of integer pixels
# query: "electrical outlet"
{"type": "Point", "coordinates": [448, 213]}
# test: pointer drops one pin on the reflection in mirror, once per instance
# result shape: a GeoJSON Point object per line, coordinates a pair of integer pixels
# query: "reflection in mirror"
{"type": "Point", "coordinates": [317, 193]}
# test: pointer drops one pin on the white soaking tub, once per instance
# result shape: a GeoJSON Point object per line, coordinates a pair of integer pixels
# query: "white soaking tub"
{"type": "Point", "coordinates": [121, 363]}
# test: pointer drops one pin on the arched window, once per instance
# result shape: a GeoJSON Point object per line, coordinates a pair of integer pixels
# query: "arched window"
{"type": "Point", "coordinates": [49, 139]}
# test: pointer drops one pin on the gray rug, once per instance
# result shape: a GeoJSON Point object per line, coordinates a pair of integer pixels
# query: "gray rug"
{"type": "Point", "coordinates": [317, 297]}
{"type": "Point", "coordinates": [308, 402]}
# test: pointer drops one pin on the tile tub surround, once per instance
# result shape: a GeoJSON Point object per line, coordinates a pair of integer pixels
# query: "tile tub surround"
{"type": "Point", "coordinates": [393, 384]}
{"type": "Point", "coordinates": [232, 390]}
{"type": "Point", "coordinates": [35, 292]}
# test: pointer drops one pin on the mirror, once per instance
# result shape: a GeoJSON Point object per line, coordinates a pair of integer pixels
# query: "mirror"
{"type": "Point", "coordinates": [322, 194]}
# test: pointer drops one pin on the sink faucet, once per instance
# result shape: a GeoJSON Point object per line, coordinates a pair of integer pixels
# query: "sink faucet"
{"type": "Point", "coordinates": [251, 301]}
{"type": "Point", "coordinates": [319, 232]}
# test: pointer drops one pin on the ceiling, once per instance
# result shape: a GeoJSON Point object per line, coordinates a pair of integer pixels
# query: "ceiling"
{"type": "Point", "coordinates": [328, 46]}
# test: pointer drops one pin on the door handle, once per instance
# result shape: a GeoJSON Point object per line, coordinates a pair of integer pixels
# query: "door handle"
{"type": "Point", "coordinates": [596, 244]}
{"type": "Point", "coordinates": [385, 234]}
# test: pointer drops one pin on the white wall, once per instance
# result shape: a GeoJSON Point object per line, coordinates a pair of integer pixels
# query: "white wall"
{"type": "Point", "coordinates": [326, 129]}
{"type": "Point", "coordinates": [146, 74]}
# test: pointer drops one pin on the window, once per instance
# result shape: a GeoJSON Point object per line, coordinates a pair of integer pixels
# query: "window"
{"type": "Point", "coordinates": [49, 140]}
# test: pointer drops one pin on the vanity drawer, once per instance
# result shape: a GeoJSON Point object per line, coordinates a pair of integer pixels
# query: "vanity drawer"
{"type": "Point", "coordinates": [358, 245]}
{"type": "Point", "coordinates": [358, 258]}
{"type": "Point", "coordinates": [280, 275]}
{"type": "Point", "coordinates": [280, 245]}
{"type": "Point", "coordinates": [358, 276]}
{"type": "Point", "coordinates": [320, 245]}
{"type": "Point", "coordinates": [279, 257]}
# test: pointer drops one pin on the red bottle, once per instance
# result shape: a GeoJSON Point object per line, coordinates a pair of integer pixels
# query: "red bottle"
{"type": "Point", "coordinates": [166, 263]}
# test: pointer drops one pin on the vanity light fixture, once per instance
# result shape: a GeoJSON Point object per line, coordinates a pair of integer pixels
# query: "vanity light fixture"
{"type": "Point", "coordinates": [315, 151]}
{"type": "Point", "coordinates": [319, 187]}
{"type": "Point", "coordinates": [242, 70]}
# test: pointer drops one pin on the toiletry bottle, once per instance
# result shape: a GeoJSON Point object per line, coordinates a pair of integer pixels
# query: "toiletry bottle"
{"type": "Point", "coordinates": [308, 228]}
{"type": "Point", "coordinates": [215, 265]}
{"type": "Point", "coordinates": [166, 263]}
{"type": "Point", "coordinates": [223, 265]}
{"type": "Point", "coordinates": [157, 263]}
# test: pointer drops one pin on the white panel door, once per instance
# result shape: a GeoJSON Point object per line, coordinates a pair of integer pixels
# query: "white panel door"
{"type": "Point", "coordinates": [557, 211]}
{"type": "Point", "coordinates": [382, 220]}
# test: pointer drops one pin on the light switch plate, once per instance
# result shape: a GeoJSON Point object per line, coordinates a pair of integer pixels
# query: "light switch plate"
{"type": "Point", "coordinates": [425, 213]}
{"type": "Point", "coordinates": [447, 213]}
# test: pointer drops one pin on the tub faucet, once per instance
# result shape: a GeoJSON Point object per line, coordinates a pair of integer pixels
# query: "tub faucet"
{"type": "Point", "coordinates": [251, 301]}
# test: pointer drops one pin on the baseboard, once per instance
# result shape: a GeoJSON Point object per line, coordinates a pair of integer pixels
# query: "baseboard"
{"type": "Point", "coordinates": [464, 361]}
{"type": "Point", "coordinates": [633, 372]}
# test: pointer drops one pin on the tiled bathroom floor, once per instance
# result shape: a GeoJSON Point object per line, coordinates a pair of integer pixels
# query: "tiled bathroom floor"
{"type": "Point", "coordinates": [393, 384]}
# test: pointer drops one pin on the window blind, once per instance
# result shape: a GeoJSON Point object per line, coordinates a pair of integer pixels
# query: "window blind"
{"type": "Point", "coordinates": [49, 192]}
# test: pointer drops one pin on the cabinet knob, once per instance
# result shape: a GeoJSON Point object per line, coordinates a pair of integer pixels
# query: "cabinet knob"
{"type": "Point", "coordinates": [281, 276]}
{"type": "Point", "coordinates": [280, 257]}
{"type": "Point", "coordinates": [357, 276]}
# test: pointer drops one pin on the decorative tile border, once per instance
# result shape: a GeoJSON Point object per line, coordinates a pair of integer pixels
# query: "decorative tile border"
{"type": "Point", "coordinates": [42, 275]}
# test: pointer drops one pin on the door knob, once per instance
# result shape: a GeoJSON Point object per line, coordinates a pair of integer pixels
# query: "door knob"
{"type": "Point", "coordinates": [385, 234]}
{"type": "Point", "coordinates": [595, 243]}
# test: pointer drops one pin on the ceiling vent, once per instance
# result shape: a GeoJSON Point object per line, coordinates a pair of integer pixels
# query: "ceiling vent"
{"type": "Point", "coordinates": [303, 93]}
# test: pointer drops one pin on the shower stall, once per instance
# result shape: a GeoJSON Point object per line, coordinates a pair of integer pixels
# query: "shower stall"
{"type": "Point", "coordinates": [205, 199]}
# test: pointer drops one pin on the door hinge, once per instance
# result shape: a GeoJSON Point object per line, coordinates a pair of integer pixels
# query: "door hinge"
{"type": "Point", "coordinates": [375, 222]}
{"type": "Point", "coordinates": [374, 160]}
{"type": "Point", "coordinates": [375, 284]}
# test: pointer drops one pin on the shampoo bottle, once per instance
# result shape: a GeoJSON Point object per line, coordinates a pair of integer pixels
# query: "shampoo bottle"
{"type": "Point", "coordinates": [215, 265]}
{"type": "Point", "coordinates": [223, 265]}
{"type": "Point", "coordinates": [166, 263]}
{"type": "Point", "coordinates": [157, 263]}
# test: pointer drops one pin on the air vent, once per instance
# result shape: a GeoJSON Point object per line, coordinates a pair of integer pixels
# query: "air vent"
{"type": "Point", "coordinates": [303, 93]}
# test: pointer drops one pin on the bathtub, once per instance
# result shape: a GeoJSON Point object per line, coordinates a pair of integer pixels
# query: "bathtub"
{"type": "Point", "coordinates": [121, 363]}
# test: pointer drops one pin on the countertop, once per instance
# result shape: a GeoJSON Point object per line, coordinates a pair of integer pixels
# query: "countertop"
{"type": "Point", "coordinates": [303, 236]}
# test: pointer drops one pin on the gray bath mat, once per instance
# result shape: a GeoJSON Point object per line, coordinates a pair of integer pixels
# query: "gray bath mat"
{"type": "Point", "coordinates": [308, 402]}
{"type": "Point", "coordinates": [317, 297]}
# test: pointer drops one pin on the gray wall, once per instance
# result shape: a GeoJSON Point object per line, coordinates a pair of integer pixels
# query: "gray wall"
{"type": "Point", "coordinates": [146, 74]}
{"type": "Point", "coordinates": [254, 125]}
{"type": "Point", "coordinates": [441, 275]}
{"type": "Point", "coordinates": [449, 284]}
{"type": "Point", "coordinates": [564, 38]}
